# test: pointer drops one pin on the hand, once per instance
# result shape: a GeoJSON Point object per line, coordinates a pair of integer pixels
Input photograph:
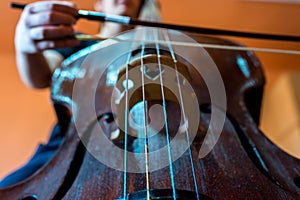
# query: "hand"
{"type": "Point", "coordinates": [46, 25]}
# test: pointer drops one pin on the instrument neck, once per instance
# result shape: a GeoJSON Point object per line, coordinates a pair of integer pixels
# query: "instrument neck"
{"type": "Point", "coordinates": [110, 29]}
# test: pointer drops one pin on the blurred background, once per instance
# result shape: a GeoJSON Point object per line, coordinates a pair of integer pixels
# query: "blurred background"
{"type": "Point", "coordinates": [27, 116]}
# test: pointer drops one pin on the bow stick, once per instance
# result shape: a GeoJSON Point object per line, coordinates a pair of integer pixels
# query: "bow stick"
{"type": "Point", "coordinates": [98, 16]}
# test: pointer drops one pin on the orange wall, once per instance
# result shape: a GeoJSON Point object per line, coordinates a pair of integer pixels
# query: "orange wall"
{"type": "Point", "coordinates": [25, 119]}
{"type": "Point", "coordinates": [26, 115]}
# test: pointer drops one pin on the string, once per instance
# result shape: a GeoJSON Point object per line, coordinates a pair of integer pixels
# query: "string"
{"type": "Point", "coordinates": [208, 46]}
{"type": "Point", "coordinates": [183, 113]}
{"type": "Point", "coordinates": [126, 129]}
{"type": "Point", "coordinates": [146, 149]}
{"type": "Point", "coordinates": [165, 119]}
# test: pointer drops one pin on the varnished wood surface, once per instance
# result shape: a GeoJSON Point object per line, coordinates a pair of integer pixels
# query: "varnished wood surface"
{"type": "Point", "coordinates": [243, 164]}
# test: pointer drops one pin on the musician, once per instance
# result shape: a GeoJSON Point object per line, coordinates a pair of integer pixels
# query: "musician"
{"type": "Point", "coordinates": [44, 37]}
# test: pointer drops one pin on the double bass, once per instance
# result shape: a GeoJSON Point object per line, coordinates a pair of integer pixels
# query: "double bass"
{"type": "Point", "coordinates": [151, 118]}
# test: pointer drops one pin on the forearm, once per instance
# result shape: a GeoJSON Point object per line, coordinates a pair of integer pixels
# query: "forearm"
{"type": "Point", "coordinates": [34, 69]}
{"type": "Point", "coordinates": [42, 26]}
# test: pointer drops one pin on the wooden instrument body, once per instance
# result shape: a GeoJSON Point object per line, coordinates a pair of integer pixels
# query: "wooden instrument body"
{"type": "Point", "coordinates": [243, 163]}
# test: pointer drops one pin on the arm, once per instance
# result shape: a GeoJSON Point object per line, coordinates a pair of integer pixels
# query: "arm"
{"type": "Point", "coordinates": [42, 26]}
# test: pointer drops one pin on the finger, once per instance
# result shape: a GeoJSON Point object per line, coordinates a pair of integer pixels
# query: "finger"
{"type": "Point", "coordinates": [59, 6]}
{"type": "Point", "coordinates": [49, 18]}
{"type": "Point", "coordinates": [56, 44]}
{"type": "Point", "coordinates": [50, 32]}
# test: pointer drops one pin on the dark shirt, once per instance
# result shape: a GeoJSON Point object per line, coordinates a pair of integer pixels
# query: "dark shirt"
{"type": "Point", "coordinates": [66, 52]}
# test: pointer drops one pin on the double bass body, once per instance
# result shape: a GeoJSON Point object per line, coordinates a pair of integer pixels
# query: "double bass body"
{"type": "Point", "coordinates": [242, 164]}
